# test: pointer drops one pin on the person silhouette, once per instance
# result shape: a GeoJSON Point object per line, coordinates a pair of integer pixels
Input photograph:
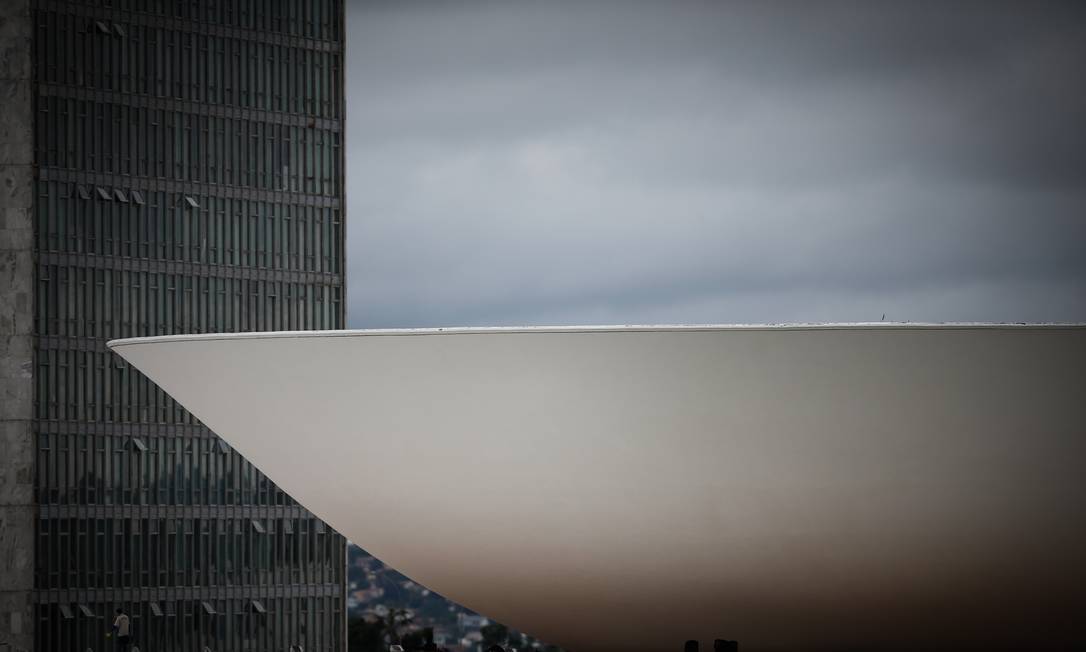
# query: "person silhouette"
{"type": "Point", "coordinates": [122, 629]}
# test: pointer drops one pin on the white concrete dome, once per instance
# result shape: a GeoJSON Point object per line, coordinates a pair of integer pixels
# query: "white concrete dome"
{"type": "Point", "coordinates": [628, 488]}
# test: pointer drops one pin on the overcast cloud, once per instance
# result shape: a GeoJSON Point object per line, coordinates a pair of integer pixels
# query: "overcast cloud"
{"type": "Point", "coordinates": [709, 162]}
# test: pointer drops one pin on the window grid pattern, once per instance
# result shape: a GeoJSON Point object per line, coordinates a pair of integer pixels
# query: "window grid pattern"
{"type": "Point", "coordinates": [311, 19]}
{"type": "Point", "coordinates": [76, 301]}
{"type": "Point", "coordinates": [158, 225]}
{"type": "Point", "coordinates": [81, 134]}
{"type": "Point", "coordinates": [190, 165]}
{"type": "Point", "coordinates": [183, 64]}
{"type": "Point", "coordinates": [149, 553]}
{"type": "Point", "coordinates": [213, 622]}
{"type": "Point", "coordinates": [178, 471]}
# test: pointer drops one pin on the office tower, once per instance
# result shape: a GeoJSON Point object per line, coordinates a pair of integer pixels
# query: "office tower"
{"type": "Point", "coordinates": [167, 167]}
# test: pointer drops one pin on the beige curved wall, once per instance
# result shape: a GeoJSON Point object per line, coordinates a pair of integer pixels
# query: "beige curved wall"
{"type": "Point", "coordinates": [627, 489]}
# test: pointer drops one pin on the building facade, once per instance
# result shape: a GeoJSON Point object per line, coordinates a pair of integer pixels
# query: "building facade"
{"type": "Point", "coordinates": [167, 167]}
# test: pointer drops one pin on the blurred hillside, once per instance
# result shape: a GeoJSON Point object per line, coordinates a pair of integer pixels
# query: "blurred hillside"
{"type": "Point", "coordinates": [383, 605]}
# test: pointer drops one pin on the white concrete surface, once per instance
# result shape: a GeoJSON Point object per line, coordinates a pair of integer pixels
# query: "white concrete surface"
{"type": "Point", "coordinates": [627, 488]}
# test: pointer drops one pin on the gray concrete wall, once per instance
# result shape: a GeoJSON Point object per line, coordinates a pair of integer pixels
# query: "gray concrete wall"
{"type": "Point", "coordinates": [16, 329]}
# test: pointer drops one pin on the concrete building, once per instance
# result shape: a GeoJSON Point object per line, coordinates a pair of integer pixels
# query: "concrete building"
{"type": "Point", "coordinates": [165, 167]}
{"type": "Point", "coordinates": [807, 487]}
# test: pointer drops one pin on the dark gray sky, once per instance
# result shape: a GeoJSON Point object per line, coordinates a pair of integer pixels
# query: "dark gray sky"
{"type": "Point", "coordinates": [712, 162]}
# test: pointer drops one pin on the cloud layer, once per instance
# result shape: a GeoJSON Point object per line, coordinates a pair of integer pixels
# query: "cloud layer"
{"type": "Point", "coordinates": [560, 163]}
